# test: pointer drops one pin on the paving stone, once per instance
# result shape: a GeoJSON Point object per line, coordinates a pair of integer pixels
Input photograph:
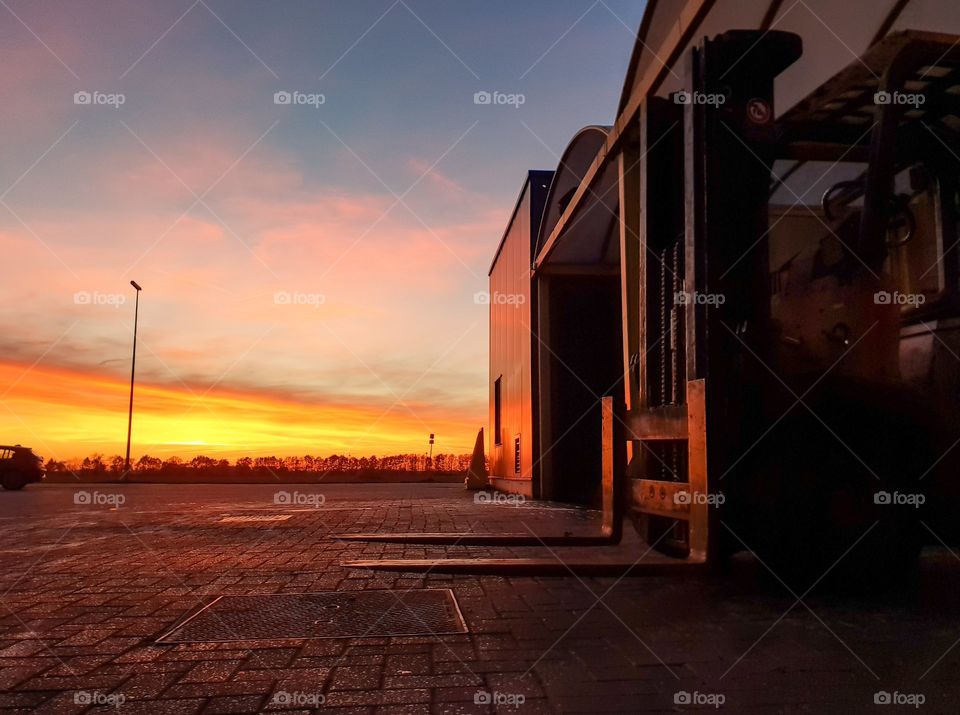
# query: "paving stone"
{"type": "Point", "coordinates": [100, 607]}
{"type": "Point", "coordinates": [142, 686]}
{"type": "Point", "coordinates": [412, 664]}
{"type": "Point", "coordinates": [211, 671]}
{"type": "Point", "coordinates": [166, 707]}
{"type": "Point", "coordinates": [377, 697]}
{"type": "Point", "coordinates": [355, 678]}
{"type": "Point", "coordinates": [234, 704]}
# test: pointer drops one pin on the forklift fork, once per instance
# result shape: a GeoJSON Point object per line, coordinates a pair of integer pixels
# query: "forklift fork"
{"type": "Point", "coordinates": [611, 529]}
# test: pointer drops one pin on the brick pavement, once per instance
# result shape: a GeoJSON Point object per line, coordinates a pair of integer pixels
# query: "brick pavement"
{"type": "Point", "coordinates": [87, 589]}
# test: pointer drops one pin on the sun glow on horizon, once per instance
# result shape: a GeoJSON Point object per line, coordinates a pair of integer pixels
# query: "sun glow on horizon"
{"type": "Point", "coordinates": [66, 413]}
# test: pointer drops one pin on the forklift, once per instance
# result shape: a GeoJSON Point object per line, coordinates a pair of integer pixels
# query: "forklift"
{"type": "Point", "coordinates": [791, 322]}
{"type": "Point", "coordinates": [816, 255]}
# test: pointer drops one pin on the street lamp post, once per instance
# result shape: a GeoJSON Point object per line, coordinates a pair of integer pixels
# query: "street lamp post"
{"type": "Point", "coordinates": [133, 367]}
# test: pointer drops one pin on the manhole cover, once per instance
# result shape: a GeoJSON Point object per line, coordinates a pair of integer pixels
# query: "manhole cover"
{"type": "Point", "coordinates": [254, 518]}
{"type": "Point", "coordinates": [333, 614]}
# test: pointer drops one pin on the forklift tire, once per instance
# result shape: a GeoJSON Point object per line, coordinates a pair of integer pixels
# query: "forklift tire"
{"type": "Point", "coordinates": [834, 499]}
{"type": "Point", "coordinates": [837, 536]}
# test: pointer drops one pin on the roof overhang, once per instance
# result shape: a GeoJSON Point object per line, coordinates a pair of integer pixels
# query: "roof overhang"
{"type": "Point", "coordinates": [653, 75]}
{"type": "Point", "coordinates": [586, 241]}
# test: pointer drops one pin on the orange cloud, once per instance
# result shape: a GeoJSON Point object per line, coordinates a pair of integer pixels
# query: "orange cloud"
{"type": "Point", "coordinates": [65, 413]}
{"type": "Point", "coordinates": [398, 311]}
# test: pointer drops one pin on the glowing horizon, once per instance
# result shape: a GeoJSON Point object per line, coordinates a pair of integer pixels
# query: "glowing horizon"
{"type": "Point", "coordinates": [63, 409]}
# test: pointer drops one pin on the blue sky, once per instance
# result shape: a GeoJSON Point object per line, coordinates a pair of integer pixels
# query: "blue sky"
{"type": "Point", "coordinates": [387, 200]}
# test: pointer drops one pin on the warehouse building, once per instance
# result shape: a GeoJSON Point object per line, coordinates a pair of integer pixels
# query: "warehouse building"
{"type": "Point", "coordinates": [618, 252]}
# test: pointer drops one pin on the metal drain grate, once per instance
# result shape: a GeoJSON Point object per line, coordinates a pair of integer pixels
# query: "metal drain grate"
{"type": "Point", "coordinates": [333, 614]}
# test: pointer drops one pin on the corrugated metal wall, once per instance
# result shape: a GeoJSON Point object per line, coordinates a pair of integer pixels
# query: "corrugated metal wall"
{"type": "Point", "coordinates": [510, 347]}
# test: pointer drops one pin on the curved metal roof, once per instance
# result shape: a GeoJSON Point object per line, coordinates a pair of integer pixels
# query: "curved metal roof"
{"type": "Point", "coordinates": [573, 166]}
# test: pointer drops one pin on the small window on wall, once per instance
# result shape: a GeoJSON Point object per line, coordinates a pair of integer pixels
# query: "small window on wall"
{"type": "Point", "coordinates": [516, 454]}
{"type": "Point", "coordinates": [497, 405]}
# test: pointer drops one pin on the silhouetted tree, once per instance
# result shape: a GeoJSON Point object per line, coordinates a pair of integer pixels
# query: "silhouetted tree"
{"type": "Point", "coordinates": [172, 465]}
{"type": "Point", "coordinates": [146, 463]}
{"type": "Point", "coordinates": [266, 466]}
{"type": "Point", "coordinates": [54, 467]}
{"type": "Point", "coordinates": [201, 462]}
{"type": "Point", "coordinates": [93, 463]}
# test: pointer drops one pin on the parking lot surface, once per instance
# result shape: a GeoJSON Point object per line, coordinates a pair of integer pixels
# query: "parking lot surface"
{"type": "Point", "coordinates": [92, 575]}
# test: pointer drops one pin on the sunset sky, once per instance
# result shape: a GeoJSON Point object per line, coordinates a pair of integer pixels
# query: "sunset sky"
{"type": "Point", "coordinates": [308, 270]}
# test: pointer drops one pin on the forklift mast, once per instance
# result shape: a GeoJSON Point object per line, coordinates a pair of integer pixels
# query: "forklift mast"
{"type": "Point", "coordinates": [720, 313]}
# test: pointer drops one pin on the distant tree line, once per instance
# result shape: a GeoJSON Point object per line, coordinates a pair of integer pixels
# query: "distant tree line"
{"type": "Point", "coordinates": [308, 465]}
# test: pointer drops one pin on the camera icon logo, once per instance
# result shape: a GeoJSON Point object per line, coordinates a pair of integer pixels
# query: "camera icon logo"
{"type": "Point", "coordinates": [282, 498]}
{"type": "Point", "coordinates": [282, 97]}
{"type": "Point", "coordinates": [282, 297]}
{"type": "Point", "coordinates": [482, 97]}
{"type": "Point", "coordinates": [882, 498]}
{"type": "Point", "coordinates": [881, 98]}
{"type": "Point", "coordinates": [882, 697]}
{"type": "Point", "coordinates": [82, 497]}
{"type": "Point", "coordinates": [482, 697]}
{"type": "Point", "coordinates": [682, 97]}
{"type": "Point", "coordinates": [682, 697]}
{"type": "Point", "coordinates": [82, 297]}
{"type": "Point", "coordinates": [481, 298]}
{"type": "Point", "coordinates": [82, 97]}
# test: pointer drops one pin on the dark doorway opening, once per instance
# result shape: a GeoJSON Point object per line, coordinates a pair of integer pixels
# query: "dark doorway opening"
{"type": "Point", "coordinates": [586, 356]}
